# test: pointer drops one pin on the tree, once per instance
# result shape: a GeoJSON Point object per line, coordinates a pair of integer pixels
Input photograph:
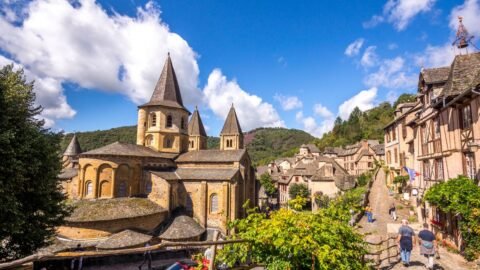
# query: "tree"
{"type": "Point", "coordinates": [404, 98]}
{"type": "Point", "coordinates": [31, 202]}
{"type": "Point", "coordinates": [297, 240]}
{"type": "Point", "coordinates": [299, 190]}
{"type": "Point", "coordinates": [267, 183]}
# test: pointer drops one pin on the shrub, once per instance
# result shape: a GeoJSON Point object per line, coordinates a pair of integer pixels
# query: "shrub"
{"type": "Point", "coordinates": [299, 190]}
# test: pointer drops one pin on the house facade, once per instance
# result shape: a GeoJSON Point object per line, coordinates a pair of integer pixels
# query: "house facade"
{"type": "Point", "coordinates": [446, 135]}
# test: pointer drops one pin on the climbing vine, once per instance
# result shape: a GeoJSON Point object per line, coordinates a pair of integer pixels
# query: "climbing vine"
{"type": "Point", "coordinates": [461, 197]}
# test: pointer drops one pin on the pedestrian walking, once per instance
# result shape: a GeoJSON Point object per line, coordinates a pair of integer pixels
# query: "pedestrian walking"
{"type": "Point", "coordinates": [147, 258]}
{"type": "Point", "coordinates": [79, 259]}
{"type": "Point", "coordinates": [369, 212]}
{"type": "Point", "coordinates": [428, 245]}
{"type": "Point", "coordinates": [405, 242]}
{"type": "Point", "coordinates": [393, 211]}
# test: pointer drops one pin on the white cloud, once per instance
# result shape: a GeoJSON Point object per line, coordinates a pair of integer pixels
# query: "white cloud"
{"type": "Point", "coordinates": [469, 11]}
{"type": "Point", "coordinates": [288, 102]}
{"type": "Point", "coordinates": [82, 44]}
{"type": "Point", "coordinates": [436, 56]}
{"type": "Point", "coordinates": [311, 126]}
{"type": "Point", "coordinates": [322, 111]}
{"type": "Point", "coordinates": [400, 12]}
{"type": "Point", "coordinates": [369, 57]}
{"type": "Point", "coordinates": [392, 73]}
{"type": "Point", "coordinates": [364, 100]}
{"type": "Point", "coordinates": [220, 93]}
{"type": "Point", "coordinates": [354, 47]}
{"type": "Point", "coordinates": [392, 46]}
{"type": "Point", "coordinates": [299, 116]}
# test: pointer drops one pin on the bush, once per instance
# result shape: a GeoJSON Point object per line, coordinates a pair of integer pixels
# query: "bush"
{"type": "Point", "coordinates": [299, 190]}
{"type": "Point", "coordinates": [363, 179]}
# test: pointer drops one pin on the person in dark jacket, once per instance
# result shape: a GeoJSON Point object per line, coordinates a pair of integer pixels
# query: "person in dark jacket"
{"type": "Point", "coordinates": [428, 245]}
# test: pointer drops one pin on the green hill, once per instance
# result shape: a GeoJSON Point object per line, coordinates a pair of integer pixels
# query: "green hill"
{"type": "Point", "coordinates": [263, 144]}
{"type": "Point", "coordinates": [362, 125]}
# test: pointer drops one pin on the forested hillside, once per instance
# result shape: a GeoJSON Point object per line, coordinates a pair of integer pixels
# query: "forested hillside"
{"type": "Point", "coordinates": [362, 125]}
{"type": "Point", "coordinates": [263, 144]}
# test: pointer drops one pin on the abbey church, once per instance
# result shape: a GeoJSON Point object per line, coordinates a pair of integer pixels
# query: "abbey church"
{"type": "Point", "coordinates": [141, 186]}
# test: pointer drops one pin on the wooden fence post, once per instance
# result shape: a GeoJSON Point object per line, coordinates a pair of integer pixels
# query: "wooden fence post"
{"type": "Point", "coordinates": [214, 253]}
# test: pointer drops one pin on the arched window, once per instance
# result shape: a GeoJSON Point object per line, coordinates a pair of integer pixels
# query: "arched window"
{"type": "Point", "coordinates": [149, 140]}
{"type": "Point", "coordinates": [168, 142]}
{"type": "Point", "coordinates": [169, 123]}
{"type": "Point", "coordinates": [148, 187]}
{"type": "Point", "coordinates": [153, 119]}
{"type": "Point", "coordinates": [182, 123]}
{"type": "Point", "coordinates": [122, 189]}
{"type": "Point", "coordinates": [214, 203]}
{"type": "Point", "coordinates": [89, 189]}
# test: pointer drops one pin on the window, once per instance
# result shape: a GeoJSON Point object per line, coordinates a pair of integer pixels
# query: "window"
{"type": "Point", "coordinates": [469, 165]}
{"type": "Point", "coordinates": [389, 157]}
{"type": "Point", "coordinates": [351, 166]}
{"type": "Point", "coordinates": [214, 203]}
{"type": "Point", "coordinates": [466, 117]}
{"type": "Point", "coordinates": [387, 135]}
{"type": "Point", "coordinates": [149, 140]}
{"type": "Point", "coordinates": [436, 128]}
{"type": "Point", "coordinates": [370, 165]}
{"type": "Point", "coordinates": [439, 169]}
{"type": "Point", "coordinates": [168, 142]}
{"type": "Point", "coordinates": [296, 178]}
{"type": "Point", "coordinates": [122, 189]}
{"type": "Point", "coordinates": [182, 123]}
{"type": "Point", "coordinates": [148, 187]}
{"type": "Point", "coordinates": [404, 128]}
{"type": "Point", "coordinates": [192, 144]}
{"type": "Point", "coordinates": [395, 155]}
{"type": "Point", "coordinates": [394, 133]}
{"type": "Point", "coordinates": [153, 119]}
{"type": "Point", "coordinates": [169, 123]}
{"type": "Point", "coordinates": [89, 189]}
{"type": "Point", "coordinates": [426, 170]}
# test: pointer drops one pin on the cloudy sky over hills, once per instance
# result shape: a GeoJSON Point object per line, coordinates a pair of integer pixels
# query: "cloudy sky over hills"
{"type": "Point", "coordinates": [282, 63]}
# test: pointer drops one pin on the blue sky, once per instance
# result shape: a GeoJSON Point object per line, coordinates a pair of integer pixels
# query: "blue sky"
{"type": "Point", "coordinates": [283, 63]}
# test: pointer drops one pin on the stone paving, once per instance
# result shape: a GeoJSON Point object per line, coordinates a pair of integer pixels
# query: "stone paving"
{"type": "Point", "coordinates": [383, 226]}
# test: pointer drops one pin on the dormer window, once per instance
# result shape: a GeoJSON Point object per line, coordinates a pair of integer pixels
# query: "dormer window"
{"type": "Point", "coordinates": [169, 123]}
{"type": "Point", "coordinates": [182, 123]}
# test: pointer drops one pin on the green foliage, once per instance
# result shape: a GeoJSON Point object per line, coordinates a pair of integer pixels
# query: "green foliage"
{"type": "Point", "coordinates": [322, 200]}
{"type": "Point", "coordinates": [363, 179]}
{"type": "Point", "coordinates": [298, 203]}
{"type": "Point", "coordinates": [401, 179]}
{"type": "Point", "coordinates": [267, 183]}
{"type": "Point", "coordinates": [271, 143]}
{"type": "Point", "coordinates": [460, 196]}
{"type": "Point", "coordinates": [299, 190]}
{"type": "Point", "coordinates": [295, 240]}
{"type": "Point", "coordinates": [405, 98]}
{"type": "Point", "coordinates": [31, 202]}
{"type": "Point", "coordinates": [361, 125]}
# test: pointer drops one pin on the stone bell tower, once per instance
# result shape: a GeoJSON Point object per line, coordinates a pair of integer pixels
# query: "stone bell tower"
{"type": "Point", "coordinates": [162, 122]}
{"type": "Point", "coordinates": [231, 137]}
{"type": "Point", "coordinates": [196, 133]}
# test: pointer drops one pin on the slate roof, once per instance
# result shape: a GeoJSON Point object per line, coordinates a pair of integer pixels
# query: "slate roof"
{"type": "Point", "coordinates": [195, 126]}
{"type": "Point", "coordinates": [435, 75]}
{"type": "Point", "coordinates": [124, 239]}
{"type": "Point", "coordinates": [68, 173]}
{"type": "Point", "coordinates": [313, 148]}
{"type": "Point", "coordinates": [111, 209]}
{"type": "Point", "coordinates": [379, 149]}
{"type": "Point", "coordinates": [126, 149]}
{"type": "Point", "coordinates": [231, 126]}
{"type": "Point", "coordinates": [463, 73]}
{"type": "Point", "coordinates": [182, 227]}
{"type": "Point", "coordinates": [73, 147]}
{"type": "Point", "coordinates": [167, 91]}
{"type": "Point", "coordinates": [212, 155]}
{"type": "Point", "coordinates": [197, 174]}
{"type": "Point", "coordinates": [363, 153]}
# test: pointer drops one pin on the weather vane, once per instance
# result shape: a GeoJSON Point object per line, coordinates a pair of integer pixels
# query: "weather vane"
{"type": "Point", "coordinates": [463, 38]}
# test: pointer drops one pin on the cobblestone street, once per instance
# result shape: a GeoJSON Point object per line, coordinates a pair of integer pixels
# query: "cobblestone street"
{"type": "Point", "coordinates": [383, 227]}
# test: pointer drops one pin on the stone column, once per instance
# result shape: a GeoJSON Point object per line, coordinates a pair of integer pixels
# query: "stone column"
{"type": "Point", "coordinates": [233, 200]}
{"type": "Point", "coordinates": [81, 183]}
{"type": "Point", "coordinates": [114, 172]}
{"type": "Point", "coordinates": [226, 205]}
{"type": "Point", "coordinates": [203, 203]}
{"type": "Point", "coordinates": [142, 119]}
{"type": "Point", "coordinates": [95, 184]}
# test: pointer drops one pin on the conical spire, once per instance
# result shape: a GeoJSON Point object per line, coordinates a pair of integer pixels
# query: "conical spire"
{"type": "Point", "coordinates": [73, 148]}
{"type": "Point", "coordinates": [195, 126]}
{"type": "Point", "coordinates": [167, 91]}
{"type": "Point", "coordinates": [231, 126]}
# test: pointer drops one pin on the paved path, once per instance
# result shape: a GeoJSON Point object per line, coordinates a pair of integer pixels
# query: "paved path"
{"type": "Point", "coordinates": [383, 226]}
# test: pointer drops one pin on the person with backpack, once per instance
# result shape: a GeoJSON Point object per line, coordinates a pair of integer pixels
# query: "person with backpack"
{"type": "Point", "coordinates": [428, 245]}
{"type": "Point", "coordinates": [406, 242]}
{"type": "Point", "coordinates": [393, 211]}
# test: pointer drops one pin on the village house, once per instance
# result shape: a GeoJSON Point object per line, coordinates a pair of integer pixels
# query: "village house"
{"type": "Point", "coordinates": [321, 175]}
{"type": "Point", "coordinates": [446, 135]}
{"type": "Point", "coordinates": [168, 177]}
